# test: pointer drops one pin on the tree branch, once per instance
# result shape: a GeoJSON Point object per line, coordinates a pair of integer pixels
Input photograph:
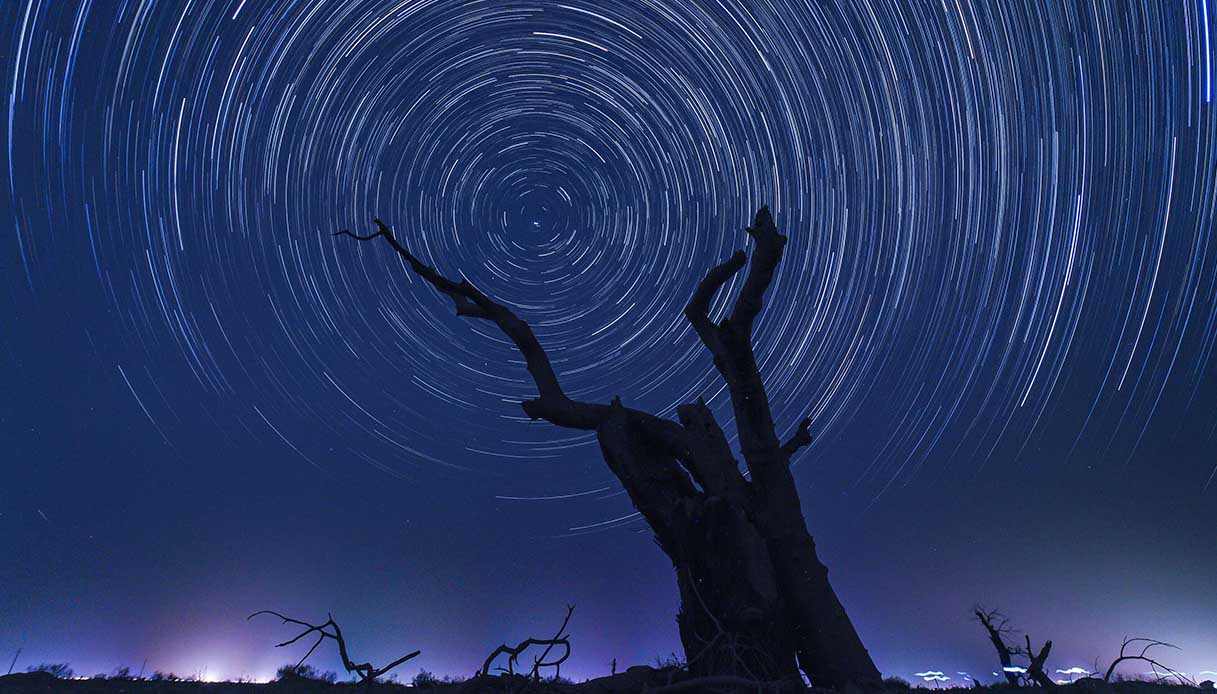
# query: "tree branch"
{"type": "Point", "coordinates": [698, 308]}
{"type": "Point", "coordinates": [769, 245]}
{"type": "Point", "coordinates": [366, 671]}
{"type": "Point", "coordinates": [1142, 656]}
{"type": "Point", "coordinates": [801, 438]}
{"type": "Point", "coordinates": [552, 404]}
{"type": "Point", "coordinates": [559, 639]}
{"type": "Point", "coordinates": [730, 342]}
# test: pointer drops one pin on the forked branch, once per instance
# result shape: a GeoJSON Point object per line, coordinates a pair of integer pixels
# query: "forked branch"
{"type": "Point", "coordinates": [730, 342]}
{"type": "Point", "coordinates": [366, 671]}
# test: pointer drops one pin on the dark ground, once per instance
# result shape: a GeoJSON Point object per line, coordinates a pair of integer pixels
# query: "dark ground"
{"type": "Point", "coordinates": [634, 681]}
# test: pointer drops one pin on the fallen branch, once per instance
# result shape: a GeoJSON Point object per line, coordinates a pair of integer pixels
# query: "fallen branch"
{"type": "Point", "coordinates": [366, 671]}
{"type": "Point", "coordinates": [559, 639]}
{"type": "Point", "coordinates": [1149, 643]}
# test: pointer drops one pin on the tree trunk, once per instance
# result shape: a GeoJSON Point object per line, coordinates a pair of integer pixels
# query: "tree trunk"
{"type": "Point", "coordinates": [731, 618]}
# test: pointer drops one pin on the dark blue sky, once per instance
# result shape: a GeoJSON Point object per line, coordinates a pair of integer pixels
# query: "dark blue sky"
{"type": "Point", "coordinates": [998, 304]}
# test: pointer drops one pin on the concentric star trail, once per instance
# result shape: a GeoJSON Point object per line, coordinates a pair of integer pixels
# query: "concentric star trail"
{"type": "Point", "coordinates": [1000, 214]}
{"type": "Point", "coordinates": [998, 305]}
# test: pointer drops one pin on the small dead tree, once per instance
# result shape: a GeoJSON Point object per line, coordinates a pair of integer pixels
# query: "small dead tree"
{"type": "Point", "coordinates": [998, 627]}
{"type": "Point", "coordinates": [1143, 656]}
{"type": "Point", "coordinates": [561, 638]}
{"type": "Point", "coordinates": [746, 565]}
{"type": "Point", "coordinates": [366, 671]}
{"type": "Point", "coordinates": [1035, 666]}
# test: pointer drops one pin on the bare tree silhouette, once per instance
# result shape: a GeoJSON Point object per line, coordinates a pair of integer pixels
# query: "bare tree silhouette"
{"type": "Point", "coordinates": [1035, 663]}
{"type": "Point", "coordinates": [998, 627]}
{"type": "Point", "coordinates": [755, 598]}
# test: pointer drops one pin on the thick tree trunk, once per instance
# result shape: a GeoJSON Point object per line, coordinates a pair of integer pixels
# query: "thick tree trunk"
{"type": "Point", "coordinates": [731, 616]}
{"type": "Point", "coordinates": [731, 620]}
{"type": "Point", "coordinates": [829, 649]}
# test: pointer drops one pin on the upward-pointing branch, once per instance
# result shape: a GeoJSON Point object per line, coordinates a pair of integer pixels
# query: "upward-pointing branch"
{"type": "Point", "coordinates": [698, 308]}
{"type": "Point", "coordinates": [730, 342]}
{"type": "Point", "coordinates": [769, 245]}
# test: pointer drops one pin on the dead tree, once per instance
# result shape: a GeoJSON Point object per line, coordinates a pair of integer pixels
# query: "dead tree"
{"type": "Point", "coordinates": [513, 654]}
{"type": "Point", "coordinates": [755, 598]}
{"type": "Point", "coordinates": [366, 672]}
{"type": "Point", "coordinates": [998, 627]}
{"type": "Point", "coordinates": [1035, 666]}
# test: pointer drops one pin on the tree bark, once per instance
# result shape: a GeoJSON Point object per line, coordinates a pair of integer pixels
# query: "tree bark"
{"type": "Point", "coordinates": [755, 599]}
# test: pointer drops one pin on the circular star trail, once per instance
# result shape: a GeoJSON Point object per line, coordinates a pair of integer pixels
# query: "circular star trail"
{"type": "Point", "coordinates": [1000, 219]}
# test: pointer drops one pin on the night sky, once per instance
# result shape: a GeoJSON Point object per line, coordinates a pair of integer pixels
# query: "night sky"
{"type": "Point", "coordinates": [998, 304]}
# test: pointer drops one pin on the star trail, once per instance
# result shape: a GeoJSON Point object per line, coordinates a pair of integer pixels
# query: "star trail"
{"type": "Point", "coordinates": [1000, 284]}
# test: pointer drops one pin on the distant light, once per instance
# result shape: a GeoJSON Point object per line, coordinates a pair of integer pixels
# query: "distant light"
{"type": "Point", "coordinates": [1015, 669]}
